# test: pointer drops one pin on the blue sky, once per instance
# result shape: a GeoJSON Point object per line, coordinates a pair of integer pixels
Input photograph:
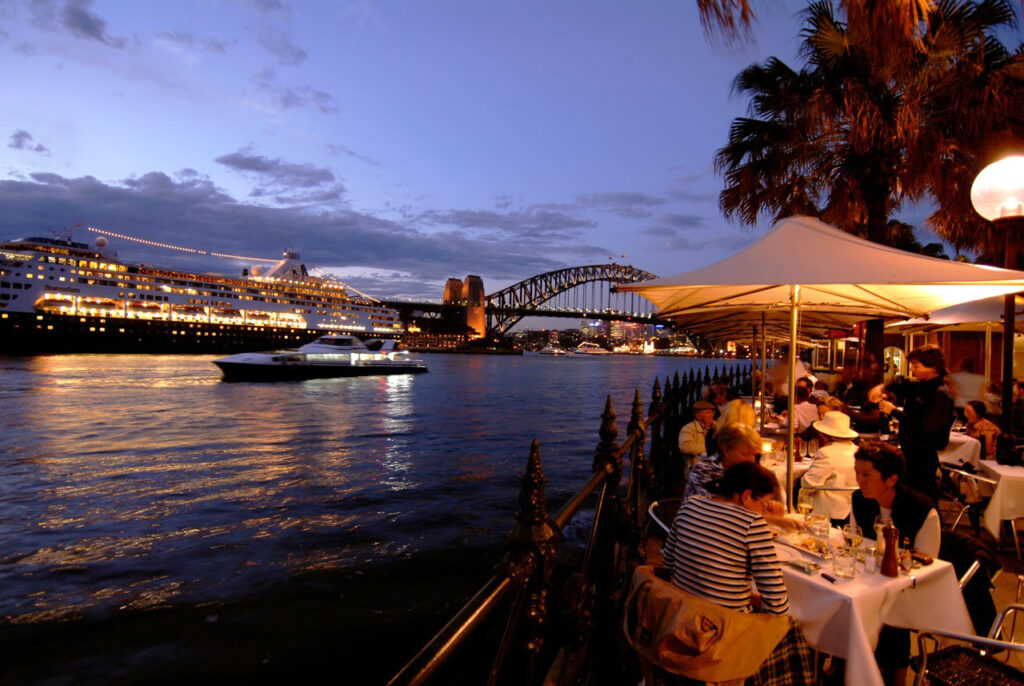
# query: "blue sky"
{"type": "Point", "coordinates": [393, 143]}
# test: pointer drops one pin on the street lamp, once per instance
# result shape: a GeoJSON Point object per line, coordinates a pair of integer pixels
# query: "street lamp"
{"type": "Point", "coordinates": [998, 196]}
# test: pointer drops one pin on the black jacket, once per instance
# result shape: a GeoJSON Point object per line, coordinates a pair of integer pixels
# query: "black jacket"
{"type": "Point", "coordinates": [909, 510]}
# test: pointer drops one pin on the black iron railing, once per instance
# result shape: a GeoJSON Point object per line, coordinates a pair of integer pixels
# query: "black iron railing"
{"type": "Point", "coordinates": [614, 546]}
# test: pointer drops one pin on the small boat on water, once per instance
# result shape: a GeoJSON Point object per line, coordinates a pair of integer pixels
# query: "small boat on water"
{"type": "Point", "coordinates": [552, 349]}
{"type": "Point", "coordinates": [327, 356]}
{"type": "Point", "coordinates": [587, 348]}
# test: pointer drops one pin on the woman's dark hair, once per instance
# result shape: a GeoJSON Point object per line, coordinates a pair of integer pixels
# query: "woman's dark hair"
{"type": "Point", "coordinates": [746, 476]}
{"type": "Point", "coordinates": [885, 457]}
{"type": "Point", "coordinates": [978, 407]}
{"type": "Point", "coordinates": [929, 356]}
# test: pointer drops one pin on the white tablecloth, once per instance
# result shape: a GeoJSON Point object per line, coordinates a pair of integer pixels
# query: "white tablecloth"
{"type": "Point", "coordinates": [779, 469]}
{"type": "Point", "coordinates": [844, 619]}
{"type": "Point", "coordinates": [961, 449]}
{"type": "Point", "coordinates": [1008, 499]}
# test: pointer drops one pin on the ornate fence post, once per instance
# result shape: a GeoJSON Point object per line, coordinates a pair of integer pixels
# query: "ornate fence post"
{"type": "Point", "coordinates": [533, 544]}
{"type": "Point", "coordinates": [601, 569]}
{"type": "Point", "coordinates": [658, 457]}
{"type": "Point", "coordinates": [639, 484]}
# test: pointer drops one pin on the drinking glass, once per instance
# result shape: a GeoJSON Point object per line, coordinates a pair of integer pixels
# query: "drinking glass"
{"type": "Point", "coordinates": [805, 503]}
{"type": "Point", "coordinates": [818, 525]}
{"type": "Point", "coordinates": [853, 536]}
{"type": "Point", "coordinates": [812, 447]}
{"type": "Point", "coordinates": [844, 564]}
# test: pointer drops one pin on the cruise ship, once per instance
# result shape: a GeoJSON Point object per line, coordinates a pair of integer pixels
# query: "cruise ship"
{"type": "Point", "coordinates": [57, 295]}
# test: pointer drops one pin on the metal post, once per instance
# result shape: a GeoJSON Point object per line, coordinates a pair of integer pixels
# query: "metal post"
{"type": "Point", "coordinates": [794, 296]}
{"type": "Point", "coordinates": [1009, 227]}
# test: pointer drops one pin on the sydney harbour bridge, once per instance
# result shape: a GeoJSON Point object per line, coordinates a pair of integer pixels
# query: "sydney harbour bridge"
{"type": "Point", "coordinates": [575, 292]}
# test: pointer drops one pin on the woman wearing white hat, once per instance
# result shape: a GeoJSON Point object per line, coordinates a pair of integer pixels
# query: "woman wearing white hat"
{"type": "Point", "coordinates": [833, 466]}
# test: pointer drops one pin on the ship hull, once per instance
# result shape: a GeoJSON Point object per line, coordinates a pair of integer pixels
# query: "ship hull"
{"type": "Point", "coordinates": [32, 334]}
{"type": "Point", "coordinates": [253, 372]}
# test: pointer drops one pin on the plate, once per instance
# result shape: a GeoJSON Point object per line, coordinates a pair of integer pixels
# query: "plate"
{"type": "Point", "coordinates": [806, 544]}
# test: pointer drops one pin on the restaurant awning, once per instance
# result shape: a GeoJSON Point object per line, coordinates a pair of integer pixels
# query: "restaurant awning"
{"type": "Point", "coordinates": [803, 265]}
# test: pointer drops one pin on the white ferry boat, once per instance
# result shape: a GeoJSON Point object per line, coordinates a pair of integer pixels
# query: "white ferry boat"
{"type": "Point", "coordinates": [588, 348]}
{"type": "Point", "coordinates": [61, 296]}
{"type": "Point", "coordinates": [328, 356]}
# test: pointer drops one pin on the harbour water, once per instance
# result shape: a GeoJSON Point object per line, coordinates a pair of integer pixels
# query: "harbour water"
{"type": "Point", "coordinates": [158, 524]}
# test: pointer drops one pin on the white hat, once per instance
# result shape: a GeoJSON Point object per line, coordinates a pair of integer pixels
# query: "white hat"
{"type": "Point", "coordinates": [836, 424]}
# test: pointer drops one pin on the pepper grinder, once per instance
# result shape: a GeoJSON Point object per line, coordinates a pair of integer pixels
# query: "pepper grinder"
{"type": "Point", "coordinates": [891, 558]}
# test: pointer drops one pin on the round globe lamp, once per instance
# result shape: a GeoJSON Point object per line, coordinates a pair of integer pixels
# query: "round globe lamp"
{"type": "Point", "coordinates": [998, 195]}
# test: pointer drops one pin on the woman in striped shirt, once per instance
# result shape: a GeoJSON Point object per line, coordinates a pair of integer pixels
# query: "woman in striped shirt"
{"type": "Point", "coordinates": [719, 544]}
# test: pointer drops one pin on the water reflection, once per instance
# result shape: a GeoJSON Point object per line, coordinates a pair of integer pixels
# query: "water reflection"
{"type": "Point", "coordinates": [136, 481]}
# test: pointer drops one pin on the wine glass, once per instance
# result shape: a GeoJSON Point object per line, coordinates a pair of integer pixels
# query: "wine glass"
{"type": "Point", "coordinates": [812, 447]}
{"type": "Point", "coordinates": [805, 503]}
{"type": "Point", "coordinates": [853, 536]}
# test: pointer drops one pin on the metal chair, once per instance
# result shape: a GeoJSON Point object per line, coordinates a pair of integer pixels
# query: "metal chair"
{"type": "Point", "coordinates": [663, 511]}
{"type": "Point", "coordinates": [967, 494]}
{"type": "Point", "coordinates": [967, 665]}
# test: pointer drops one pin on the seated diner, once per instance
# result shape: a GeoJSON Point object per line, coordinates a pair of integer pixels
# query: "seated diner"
{"type": "Point", "coordinates": [720, 547]}
{"type": "Point", "coordinates": [881, 498]}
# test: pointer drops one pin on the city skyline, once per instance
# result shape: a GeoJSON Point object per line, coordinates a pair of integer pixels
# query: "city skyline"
{"type": "Point", "coordinates": [392, 144]}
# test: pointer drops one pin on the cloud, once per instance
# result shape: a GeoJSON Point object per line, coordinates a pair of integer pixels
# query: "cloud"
{"type": "Point", "coordinates": [533, 223]}
{"type": "Point", "coordinates": [626, 204]}
{"type": "Point", "coordinates": [287, 98]}
{"type": "Point", "coordinates": [280, 45]}
{"type": "Point", "coordinates": [268, 6]}
{"type": "Point", "coordinates": [278, 171]}
{"type": "Point", "coordinates": [22, 140]}
{"type": "Point", "coordinates": [75, 17]}
{"type": "Point", "coordinates": [180, 41]}
{"type": "Point", "coordinates": [336, 149]}
{"type": "Point", "coordinates": [188, 209]}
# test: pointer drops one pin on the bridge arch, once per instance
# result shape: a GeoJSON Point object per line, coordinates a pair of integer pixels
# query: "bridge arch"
{"type": "Point", "coordinates": [506, 307]}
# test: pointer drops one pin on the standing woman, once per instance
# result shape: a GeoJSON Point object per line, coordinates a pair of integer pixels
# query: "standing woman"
{"type": "Point", "coordinates": [925, 419]}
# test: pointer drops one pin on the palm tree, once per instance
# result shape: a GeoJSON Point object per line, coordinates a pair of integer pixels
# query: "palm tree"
{"type": "Point", "coordinates": [876, 117]}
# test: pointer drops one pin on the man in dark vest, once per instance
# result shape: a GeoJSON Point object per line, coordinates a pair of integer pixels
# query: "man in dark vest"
{"type": "Point", "coordinates": [882, 497]}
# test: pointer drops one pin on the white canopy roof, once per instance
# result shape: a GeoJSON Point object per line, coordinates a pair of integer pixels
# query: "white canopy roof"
{"type": "Point", "coordinates": [837, 273]}
{"type": "Point", "coordinates": [971, 316]}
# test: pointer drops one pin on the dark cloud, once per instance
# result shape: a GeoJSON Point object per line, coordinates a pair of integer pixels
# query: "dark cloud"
{"type": "Point", "coordinates": [276, 171]}
{"type": "Point", "coordinates": [189, 210]}
{"type": "Point", "coordinates": [22, 140]}
{"type": "Point", "coordinates": [280, 45]}
{"type": "Point", "coordinates": [335, 149]}
{"type": "Point", "coordinates": [683, 222]}
{"type": "Point", "coordinates": [208, 43]}
{"type": "Point", "coordinates": [288, 98]}
{"type": "Point", "coordinates": [77, 19]}
{"type": "Point", "coordinates": [268, 6]}
{"type": "Point", "coordinates": [626, 204]}
{"type": "Point", "coordinates": [532, 223]}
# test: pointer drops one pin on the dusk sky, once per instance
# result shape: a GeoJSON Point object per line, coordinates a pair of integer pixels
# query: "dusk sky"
{"type": "Point", "coordinates": [393, 144]}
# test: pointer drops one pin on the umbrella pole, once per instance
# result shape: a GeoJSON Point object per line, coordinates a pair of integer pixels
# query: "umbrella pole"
{"type": "Point", "coordinates": [988, 354]}
{"type": "Point", "coordinates": [794, 294]}
{"type": "Point", "coordinates": [764, 367]}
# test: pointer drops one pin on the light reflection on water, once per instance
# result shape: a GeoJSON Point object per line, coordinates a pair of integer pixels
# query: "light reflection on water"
{"type": "Point", "coordinates": [134, 481]}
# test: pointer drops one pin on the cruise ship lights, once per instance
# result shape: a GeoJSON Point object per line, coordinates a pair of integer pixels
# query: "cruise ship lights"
{"type": "Point", "coordinates": [168, 246]}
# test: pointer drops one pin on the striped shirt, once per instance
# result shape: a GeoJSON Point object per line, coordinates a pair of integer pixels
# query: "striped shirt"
{"type": "Point", "coordinates": [716, 548]}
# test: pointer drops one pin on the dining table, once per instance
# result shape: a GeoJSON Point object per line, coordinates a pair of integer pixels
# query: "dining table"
{"type": "Point", "coordinates": [843, 617]}
{"type": "Point", "coordinates": [1007, 502]}
{"type": "Point", "coordinates": [961, 449]}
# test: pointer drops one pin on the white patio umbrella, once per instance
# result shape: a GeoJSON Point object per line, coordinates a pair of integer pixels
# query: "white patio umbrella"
{"type": "Point", "coordinates": [979, 316]}
{"type": "Point", "coordinates": [803, 264]}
